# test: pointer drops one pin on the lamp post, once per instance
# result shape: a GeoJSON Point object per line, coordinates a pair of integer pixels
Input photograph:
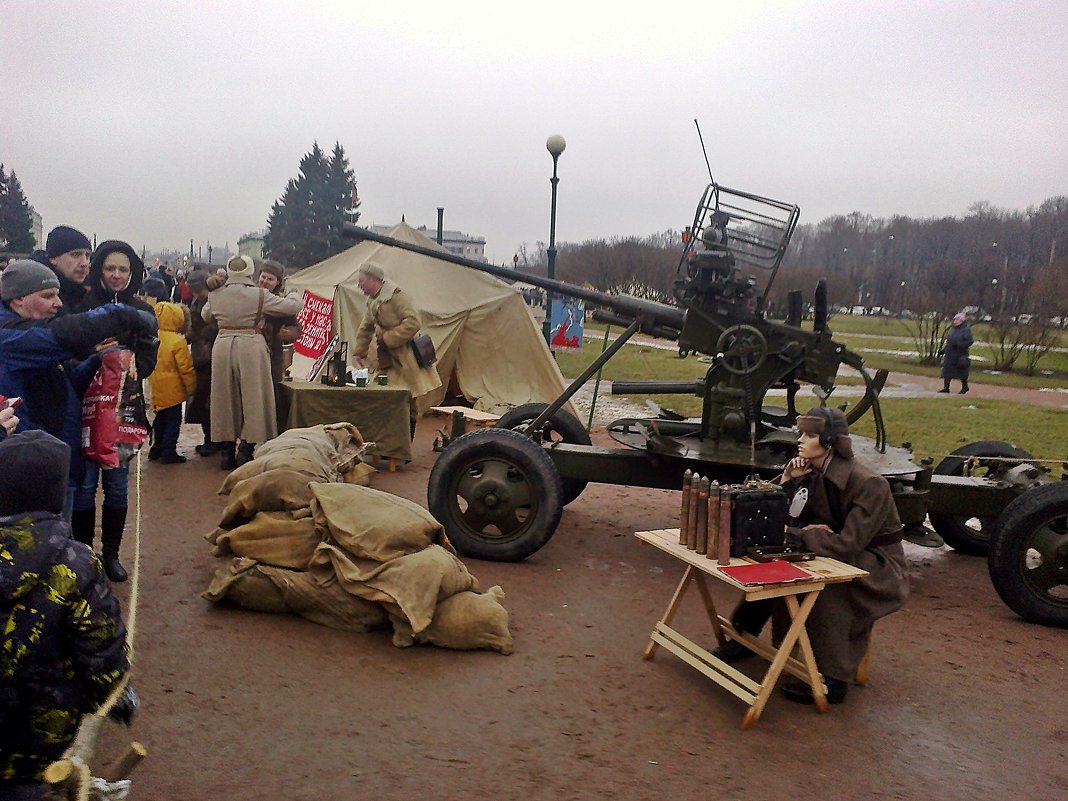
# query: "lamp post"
{"type": "Point", "coordinates": [555, 144]}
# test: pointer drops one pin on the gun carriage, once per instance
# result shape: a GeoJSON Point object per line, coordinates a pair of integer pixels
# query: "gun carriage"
{"type": "Point", "coordinates": [500, 492]}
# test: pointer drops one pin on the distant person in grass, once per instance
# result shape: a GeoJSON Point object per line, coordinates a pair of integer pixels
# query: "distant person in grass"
{"type": "Point", "coordinates": [955, 354]}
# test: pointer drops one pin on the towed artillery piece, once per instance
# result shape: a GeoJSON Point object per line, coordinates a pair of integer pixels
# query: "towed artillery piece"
{"type": "Point", "coordinates": [500, 492]}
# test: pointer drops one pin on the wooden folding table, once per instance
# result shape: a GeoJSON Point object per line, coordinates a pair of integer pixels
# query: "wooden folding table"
{"type": "Point", "coordinates": [799, 598]}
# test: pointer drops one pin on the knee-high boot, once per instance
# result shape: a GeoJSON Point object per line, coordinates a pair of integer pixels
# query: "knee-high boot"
{"type": "Point", "coordinates": [112, 523]}
{"type": "Point", "coordinates": [83, 525]}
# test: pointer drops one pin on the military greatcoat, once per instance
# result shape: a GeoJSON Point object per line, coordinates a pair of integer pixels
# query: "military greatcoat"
{"type": "Point", "coordinates": [850, 516]}
{"type": "Point", "coordinates": [393, 319]}
{"type": "Point", "coordinates": [242, 392]}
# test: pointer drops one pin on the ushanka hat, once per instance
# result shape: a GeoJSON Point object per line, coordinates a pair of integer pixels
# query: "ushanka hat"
{"type": "Point", "coordinates": [23, 277]}
{"type": "Point", "coordinates": [831, 426]}
{"type": "Point", "coordinates": [240, 267]}
{"type": "Point", "coordinates": [373, 270]}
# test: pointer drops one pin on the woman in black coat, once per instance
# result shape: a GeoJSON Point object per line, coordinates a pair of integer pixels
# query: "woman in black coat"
{"type": "Point", "coordinates": [115, 276]}
{"type": "Point", "coordinates": [955, 354]}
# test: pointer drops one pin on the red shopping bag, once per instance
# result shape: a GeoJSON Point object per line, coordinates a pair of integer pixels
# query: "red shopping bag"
{"type": "Point", "coordinates": [114, 420]}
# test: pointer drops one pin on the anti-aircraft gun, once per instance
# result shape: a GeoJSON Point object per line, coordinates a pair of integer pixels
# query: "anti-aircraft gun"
{"type": "Point", "coordinates": [500, 491]}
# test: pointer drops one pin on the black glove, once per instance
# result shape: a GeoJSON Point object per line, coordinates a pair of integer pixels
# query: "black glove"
{"type": "Point", "coordinates": [126, 707]}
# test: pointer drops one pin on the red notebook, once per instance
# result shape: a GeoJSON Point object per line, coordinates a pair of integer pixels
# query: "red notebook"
{"type": "Point", "coordinates": [777, 572]}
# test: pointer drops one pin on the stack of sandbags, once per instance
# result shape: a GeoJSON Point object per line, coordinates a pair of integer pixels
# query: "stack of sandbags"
{"type": "Point", "coordinates": [323, 453]}
{"type": "Point", "coordinates": [389, 550]}
{"type": "Point", "coordinates": [295, 538]}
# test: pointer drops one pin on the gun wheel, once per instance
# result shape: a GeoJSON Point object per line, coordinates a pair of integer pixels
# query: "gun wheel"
{"type": "Point", "coordinates": [497, 493]}
{"type": "Point", "coordinates": [963, 533]}
{"type": "Point", "coordinates": [742, 349]}
{"type": "Point", "coordinates": [561, 427]}
{"type": "Point", "coordinates": [1028, 558]}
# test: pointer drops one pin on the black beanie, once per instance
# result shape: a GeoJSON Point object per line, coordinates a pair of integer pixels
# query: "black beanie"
{"type": "Point", "coordinates": [34, 474]}
{"type": "Point", "coordinates": [63, 239]}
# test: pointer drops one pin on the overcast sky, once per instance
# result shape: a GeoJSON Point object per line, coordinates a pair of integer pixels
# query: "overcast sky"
{"type": "Point", "coordinates": [161, 122]}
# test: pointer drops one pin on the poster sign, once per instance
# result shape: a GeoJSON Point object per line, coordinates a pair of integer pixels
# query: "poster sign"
{"type": "Point", "coordinates": [565, 324]}
{"type": "Point", "coordinates": [315, 319]}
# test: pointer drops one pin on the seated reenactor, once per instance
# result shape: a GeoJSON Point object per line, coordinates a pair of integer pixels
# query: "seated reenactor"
{"type": "Point", "coordinates": [49, 361]}
{"type": "Point", "coordinates": [62, 639]}
{"type": "Point", "coordinates": [849, 516]}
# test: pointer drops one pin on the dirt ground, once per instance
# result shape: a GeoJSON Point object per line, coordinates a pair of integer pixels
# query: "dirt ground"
{"type": "Point", "coordinates": [966, 701]}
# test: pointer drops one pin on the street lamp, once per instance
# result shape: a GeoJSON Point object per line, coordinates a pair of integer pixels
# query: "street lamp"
{"type": "Point", "coordinates": [555, 144]}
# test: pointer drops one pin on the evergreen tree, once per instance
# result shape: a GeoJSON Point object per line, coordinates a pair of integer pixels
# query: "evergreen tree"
{"type": "Point", "coordinates": [16, 223]}
{"type": "Point", "coordinates": [304, 226]}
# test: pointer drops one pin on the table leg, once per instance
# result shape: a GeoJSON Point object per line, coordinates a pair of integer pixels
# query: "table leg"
{"type": "Point", "coordinates": [798, 613]}
{"type": "Point", "coordinates": [710, 608]}
{"type": "Point", "coordinates": [815, 680]}
{"type": "Point", "coordinates": [673, 606]}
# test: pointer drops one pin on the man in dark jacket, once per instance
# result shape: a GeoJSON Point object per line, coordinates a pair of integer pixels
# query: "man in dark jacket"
{"type": "Point", "coordinates": [49, 360]}
{"type": "Point", "coordinates": [67, 252]}
{"type": "Point", "coordinates": [63, 642]}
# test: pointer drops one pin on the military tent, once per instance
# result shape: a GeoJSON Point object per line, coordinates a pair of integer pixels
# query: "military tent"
{"type": "Point", "coordinates": [488, 345]}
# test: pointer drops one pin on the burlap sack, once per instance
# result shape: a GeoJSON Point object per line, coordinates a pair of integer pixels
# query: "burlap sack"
{"type": "Point", "coordinates": [270, 491]}
{"type": "Point", "coordinates": [262, 588]}
{"type": "Point", "coordinates": [276, 538]}
{"type": "Point", "coordinates": [370, 524]}
{"type": "Point", "coordinates": [327, 606]}
{"type": "Point", "coordinates": [237, 580]}
{"type": "Point", "coordinates": [466, 621]}
{"type": "Point", "coordinates": [323, 453]}
{"type": "Point", "coordinates": [409, 586]}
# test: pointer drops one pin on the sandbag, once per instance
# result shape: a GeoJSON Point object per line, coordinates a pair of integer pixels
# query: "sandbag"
{"type": "Point", "coordinates": [237, 580]}
{"type": "Point", "coordinates": [409, 586]}
{"type": "Point", "coordinates": [270, 491]}
{"type": "Point", "coordinates": [327, 606]}
{"type": "Point", "coordinates": [282, 539]}
{"type": "Point", "coordinates": [371, 524]}
{"type": "Point", "coordinates": [262, 588]}
{"type": "Point", "coordinates": [323, 453]}
{"type": "Point", "coordinates": [466, 621]}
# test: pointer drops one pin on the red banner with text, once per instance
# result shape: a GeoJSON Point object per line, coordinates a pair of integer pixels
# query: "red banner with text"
{"type": "Point", "coordinates": [315, 318]}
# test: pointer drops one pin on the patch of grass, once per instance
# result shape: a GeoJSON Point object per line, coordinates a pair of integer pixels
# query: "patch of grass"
{"type": "Point", "coordinates": [937, 426]}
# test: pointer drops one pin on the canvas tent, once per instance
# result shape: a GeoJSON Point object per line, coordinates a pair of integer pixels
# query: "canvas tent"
{"type": "Point", "coordinates": [488, 345]}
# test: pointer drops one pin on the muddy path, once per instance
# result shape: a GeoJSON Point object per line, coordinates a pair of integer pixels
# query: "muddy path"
{"type": "Point", "coordinates": [965, 701]}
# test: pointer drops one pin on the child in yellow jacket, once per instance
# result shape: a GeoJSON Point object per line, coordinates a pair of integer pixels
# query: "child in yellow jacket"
{"type": "Point", "coordinates": [172, 382]}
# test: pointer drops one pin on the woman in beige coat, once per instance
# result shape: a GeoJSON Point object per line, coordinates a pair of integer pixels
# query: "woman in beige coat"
{"type": "Point", "coordinates": [393, 321]}
{"type": "Point", "coordinates": [242, 392]}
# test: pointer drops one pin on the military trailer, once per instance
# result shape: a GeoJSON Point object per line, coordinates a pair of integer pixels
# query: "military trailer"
{"type": "Point", "coordinates": [500, 492]}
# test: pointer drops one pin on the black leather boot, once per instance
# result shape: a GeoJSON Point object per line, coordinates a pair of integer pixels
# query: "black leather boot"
{"type": "Point", "coordinates": [83, 525]}
{"type": "Point", "coordinates": [112, 524]}
{"type": "Point", "coordinates": [229, 456]}
{"type": "Point", "coordinates": [244, 453]}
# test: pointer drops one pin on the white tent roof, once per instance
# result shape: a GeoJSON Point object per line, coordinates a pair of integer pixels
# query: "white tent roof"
{"type": "Point", "coordinates": [487, 342]}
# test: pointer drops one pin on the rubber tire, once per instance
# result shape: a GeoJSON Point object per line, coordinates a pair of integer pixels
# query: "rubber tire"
{"type": "Point", "coordinates": [563, 424]}
{"type": "Point", "coordinates": [1009, 543]}
{"type": "Point", "coordinates": [953, 528]}
{"type": "Point", "coordinates": [534, 468]}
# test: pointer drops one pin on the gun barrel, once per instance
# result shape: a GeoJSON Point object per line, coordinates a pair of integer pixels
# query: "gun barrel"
{"type": "Point", "coordinates": [657, 387]}
{"type": "Point", "coordinates": [659, 314]}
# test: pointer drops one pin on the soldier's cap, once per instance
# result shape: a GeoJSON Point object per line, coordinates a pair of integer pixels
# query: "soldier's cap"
{"type": "Point", "coordinates": [373, 270]}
